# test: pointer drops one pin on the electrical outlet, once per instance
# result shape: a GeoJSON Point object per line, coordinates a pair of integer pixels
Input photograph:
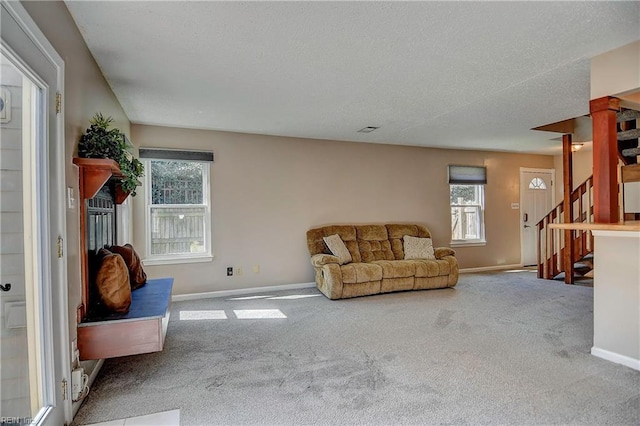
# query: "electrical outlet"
{"type": "Point", "coordinates": [256, 269]}
{"type": "Point", "coordinates": [238, 271]}
{"type": "Point", "coordinates": [77, 383]}
{"type": "Point", "coordinates": [230, 271]}
{"type": "Point", "coordinates": [71, 198]}
{"type": "Point", "coordinates": [74, 349]}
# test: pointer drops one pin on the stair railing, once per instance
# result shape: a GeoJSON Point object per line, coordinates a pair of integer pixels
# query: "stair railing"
{"type": "Point", "coordinates": [551, 245]}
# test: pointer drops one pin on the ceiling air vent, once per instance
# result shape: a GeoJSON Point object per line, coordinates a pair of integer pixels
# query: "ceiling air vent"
{"type": "Point", "coordinates": [368, 129]}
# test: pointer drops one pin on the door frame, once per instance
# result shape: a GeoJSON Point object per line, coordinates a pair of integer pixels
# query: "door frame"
{"type": "Point", "coordinates": [54, 213]}
{"type": "Point", "coordinates": [553, 200]}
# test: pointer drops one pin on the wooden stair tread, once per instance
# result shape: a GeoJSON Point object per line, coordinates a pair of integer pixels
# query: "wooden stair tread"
{"type": "Point", "coordinates": [627, 115]}
{"type": "Point", "coordinates": [627, 135]}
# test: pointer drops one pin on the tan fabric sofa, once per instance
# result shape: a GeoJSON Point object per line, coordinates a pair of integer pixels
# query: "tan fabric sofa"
{"type": "Point", "coordinates": [378, 264]}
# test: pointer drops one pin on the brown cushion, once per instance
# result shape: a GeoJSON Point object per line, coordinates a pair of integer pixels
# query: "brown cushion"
{"type": "Point", "coordinates": [137, 276]}
{"type": "Point", "coordinates": [112, 283]}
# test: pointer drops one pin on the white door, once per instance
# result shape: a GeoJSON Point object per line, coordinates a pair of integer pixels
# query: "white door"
{"type": "Point", "coordinates": [33, 298]}
{"type": "Point", "coordinates": [536, 195]}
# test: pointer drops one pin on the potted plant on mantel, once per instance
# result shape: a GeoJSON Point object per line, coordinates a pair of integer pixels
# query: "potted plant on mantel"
{"type": "Point", "coordinates": [98, 141]}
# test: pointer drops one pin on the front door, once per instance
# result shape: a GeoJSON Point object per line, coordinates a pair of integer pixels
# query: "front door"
{"type": "Point", "coordinates": [33, 296]}
{"type": "Point", "coordinates": [536, 194]}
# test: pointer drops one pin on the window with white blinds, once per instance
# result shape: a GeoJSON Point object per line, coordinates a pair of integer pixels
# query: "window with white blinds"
{"type": "Point", "coordinates": [466, 196]}
{"type": "Point", "coordinates": [177, 205]}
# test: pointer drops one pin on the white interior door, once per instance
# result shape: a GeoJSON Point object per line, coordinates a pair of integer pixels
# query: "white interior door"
{"type": "Point", "coordinates": [536, 195]}
{"type": "Point", "coordinates": [33, 300]}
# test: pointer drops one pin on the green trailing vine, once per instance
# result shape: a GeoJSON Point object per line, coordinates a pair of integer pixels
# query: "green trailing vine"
{"type": "Point", "coordinates": [99, 141]}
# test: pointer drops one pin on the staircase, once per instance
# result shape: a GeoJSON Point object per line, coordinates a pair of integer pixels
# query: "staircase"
{"type": "Point", "coordinates": [628, 134]}
{"type": "Point", "coordinates": [551, 245]}
{"type": "Point", "coordinates": [629, 149]}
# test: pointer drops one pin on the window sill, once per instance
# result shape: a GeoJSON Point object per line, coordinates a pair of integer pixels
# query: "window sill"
{"type": "Point", "coordinates": [176, 260]}
{"type": "Point", "coordinates": [474, 243]}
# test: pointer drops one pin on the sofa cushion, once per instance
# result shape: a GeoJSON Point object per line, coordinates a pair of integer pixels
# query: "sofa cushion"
{"type": "Point", "coordinates": [324, 259]}
{"type": "Point", "coordinates": [418, 248]}
{"type": "Point", "coordinates": [397, 268]}
{"type": "Point", "coordinates": [441, 252]}
{"type": "Point", "coordinates": [347, 233]}
{"type": "Point", "coordinates": [397, 284]}
{"type": "Point", "coordinates": [432, 268]}
{"type": "Point", "coordinates": [338, 248]}
{"type": "Point", "coordinates": [397, 232]}
{"type": "Point", "coordinates": [360, 289]}
{"type": "Point", "coordinates": [373, 243]}
{"type": "Point", "coordinates": [360, 273]}
{"type": "Point", "coordinates": [441, 281]}
{"type": "Point", "coordinates": [427, 268]}
{"type": "Point", "coordinates": [444, 267]}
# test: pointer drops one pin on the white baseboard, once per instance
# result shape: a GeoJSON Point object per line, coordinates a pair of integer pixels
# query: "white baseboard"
{"type": "Point", "coordinates": [490, 268]}
{"type": "Point", "coordinates": [239, 291]}
{"type": "Point", "coordinates": [617, 358]}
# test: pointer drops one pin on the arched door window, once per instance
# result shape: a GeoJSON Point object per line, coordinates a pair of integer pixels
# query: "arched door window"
{"type": "Point", "coordinates": [537, 183]}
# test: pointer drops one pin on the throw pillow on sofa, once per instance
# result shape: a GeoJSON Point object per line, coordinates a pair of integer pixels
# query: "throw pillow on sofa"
{"type": "Point", "coordinates": [112, 283]}
{"type": "Point", "coordinates": [418, 248]}
{"type": "Point", "coordinates": [338, 248]}
{"type": "Point", "coordinates": [137, 276]}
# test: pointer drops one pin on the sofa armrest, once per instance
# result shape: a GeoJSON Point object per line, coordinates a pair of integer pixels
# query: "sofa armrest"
{"type": "Point", "coordinates": [323, 259]}
{"type": "Point", "coordinates": [441, 252]}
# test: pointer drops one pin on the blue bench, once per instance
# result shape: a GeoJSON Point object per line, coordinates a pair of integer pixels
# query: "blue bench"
{"type": "Point", "coordinates": [141, 330]}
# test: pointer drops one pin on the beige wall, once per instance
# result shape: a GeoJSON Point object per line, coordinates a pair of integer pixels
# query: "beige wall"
{"type": "Point", "coordinates": [582, 169]}
{"type": "Point", "coordinates": [268, 191]}
{"type": "Point", "coordinates": [86, 92]}
{"type": "Point", "coordinates": [616, 72]}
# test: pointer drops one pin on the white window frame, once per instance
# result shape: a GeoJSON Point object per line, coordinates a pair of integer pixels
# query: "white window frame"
{"type": "Point", "coordinates": [481, 241]}
{"type": "Point", "coordinates": [207, 255]}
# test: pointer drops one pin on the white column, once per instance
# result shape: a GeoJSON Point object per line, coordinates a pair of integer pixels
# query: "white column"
{"type": "Point", "coordinates": [616, 297]}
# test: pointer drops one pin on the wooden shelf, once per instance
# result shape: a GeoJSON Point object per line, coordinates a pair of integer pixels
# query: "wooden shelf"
{"type": "Point", "coordinates": [143, 328]}
{"type": "Point", "coordinates": [95, 173]}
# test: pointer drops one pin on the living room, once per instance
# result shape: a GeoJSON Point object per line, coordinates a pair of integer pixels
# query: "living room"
{"type": "Point", "coordinates": [267, 189]}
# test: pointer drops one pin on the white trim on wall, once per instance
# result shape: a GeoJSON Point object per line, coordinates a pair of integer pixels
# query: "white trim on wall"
{"type": "Point", "coordinates": [617, 358]}
{"type": "Point", "coordinates": [54, 204]}
{"type": "Point", "coordinates": [490, 268]}
{"type": "Point", "coordinates": [251, 290]}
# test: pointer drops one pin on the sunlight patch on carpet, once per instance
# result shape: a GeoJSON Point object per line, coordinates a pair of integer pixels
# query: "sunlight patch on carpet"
{"type": "Point", "coordinates": [202, 315]}
{"type": "Point", "coordinates": [259, 313]}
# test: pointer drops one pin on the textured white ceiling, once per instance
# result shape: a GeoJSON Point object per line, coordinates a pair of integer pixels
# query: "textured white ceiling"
{"type": "Point", "coordinates": [472, 75]}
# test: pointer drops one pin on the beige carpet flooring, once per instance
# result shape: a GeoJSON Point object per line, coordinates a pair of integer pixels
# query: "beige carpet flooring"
{"type": "Point", "coordinates": [500, 348]}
